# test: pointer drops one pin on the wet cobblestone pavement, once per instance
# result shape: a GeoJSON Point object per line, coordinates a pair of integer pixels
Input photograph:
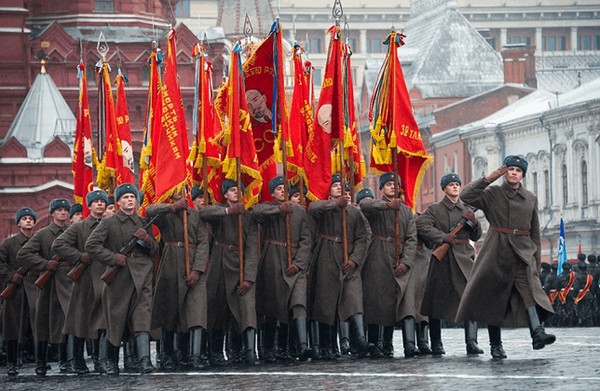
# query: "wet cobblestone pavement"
{"type": "Point", "coordinates": [570, 364]}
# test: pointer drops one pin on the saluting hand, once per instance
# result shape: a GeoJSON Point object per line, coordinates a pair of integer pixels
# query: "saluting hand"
{"type": "Point", "coordinates": [497, 173]}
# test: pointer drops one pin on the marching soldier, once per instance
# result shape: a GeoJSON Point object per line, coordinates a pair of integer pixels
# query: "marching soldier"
{"type": "Point", "coordinates": [504, 287]}
{"type": "Point", "coordinates": [281, 288]}
{"type": "Point", "coordinates": [231, 301]}
{"type": "Point", "coordinates": [386, 274]}
{"type": "Point", "coordinates": [127, 301]}
{"type": "Point", "coordinates": [337, 285]}
{"type": "Point", "coordinates": [14, 318]}
{"type": "Point", "coordinates": [584, 299]}
{"type": "Point", "coordinates": [446, 278]}
{"type": "Point", "coordinates": [179, 303]}
{"type": "Point", "coordinates": [84, 316]}
{"type": "Point", "coordinates": [53, 299]}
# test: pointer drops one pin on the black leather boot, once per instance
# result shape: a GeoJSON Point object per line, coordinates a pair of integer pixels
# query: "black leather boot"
{"type": "Point", "coordinates": [304, 351]}
{"type": "Point", "coordinates": [41, 356]}
{"type": "Point", "coordinates": [100, 363]}
{"type": "Point", "coordinates": [496, 342]}
{"type": "Point", "coordinates": [216, 357]}
{"type": "Point", "coordinates": [473, 348]}
{"type": "Point", "coordinates": [538, 334]}
{"type": "Point", "coordinates": [167, 362]}
{"type": "Point", "coordinates": [344, 332]}
{"type": "Point", "coordinates": [130, 359]}
{"type": "Point", "coordinates": [408, 337]}
{"type": "Point", "coordinates": [269, 337]}
{"type": "Point", "coordinates": [12, 354]}
{"type": "Point", "coordinates": [357, 322]}
{"type": "Point", "coordinates": [75, 361]}
{"type": "Point", "coordinates": [112, 359]}
{"type": "Point", "coordinates": [197, 362]}
{"type": "Point", "coordinates": [388, 341]}
{"type": "Point", "coordinates": [435, 334]}
{"type": "Point", "coordinates": [375, 340]}
{"type": "Point", "coordinates": [423, 338]}
{"type": "Point", "coordinates": [249, 347]}
{"type": "Point", "coordinates": [62, 357]}
{"type": "Point", "coordinates": [315, 340]}
{"type": "Point", "coordinates": [283, 338]}
{"type": "Point", "coordinates": [143, 347]}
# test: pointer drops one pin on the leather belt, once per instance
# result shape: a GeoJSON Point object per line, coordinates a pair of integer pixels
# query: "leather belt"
{"type": "Point", "coordinates": [137, 254]}
{"type": "Point", "coordinates": [179, 244]}
{"type": "Point", "coordinates": [229, 247]}
{"type": "Point", "coordinates": [336, 239]}
{"type": "Point", "coordinates": [384, 238]}
{"type": "Point", "coordinates": [516, 232]}
{"type": "Point", "coordinates": [280, 243]}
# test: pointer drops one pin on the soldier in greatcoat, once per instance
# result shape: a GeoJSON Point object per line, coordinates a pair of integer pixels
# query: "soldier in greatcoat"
{"type": "Point", "coordinates": [84, 316]}
{"type": "Point", "coordinates": [53, 300]}
{"type": "Point", "coordinates": [179, 303]}
{"type": "Point", "coordinates": [231, 302]}
{"type": "Point", "coordinates": [386, 274]}
{"type": "Point", "coordinates": [504, 287]}
{"type": "Point", "coordinates": [336, 291]}
{"type": "Point", "coordinates": [446, 279]}
{"type": "Point", "coordinates": [14, 317]}
{"type": "Point", "coordinates": [127, 301]}
{"type": "Point", "coordinates": [281, 288]}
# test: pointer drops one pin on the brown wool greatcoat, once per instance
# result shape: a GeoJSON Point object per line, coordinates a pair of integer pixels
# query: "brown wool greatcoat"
{"type": "Point", "coordinates": [446, 280]}
{"type": "Point", "coordinates": [175, 306]}
{"type": "Point", "coordinates": [224, 269]}
{"type": "Point", "coordinates": [53, 300]}
{"type": "Point", "coordinates": [382, 292]}
{"type": "Point", "coordinates": [331, 292]}
{"type": "Point", "coordinates": [14, 317]}
{"type": "Point", "coordinates": [276, 292]}
{"type": "Point", "coordinates": [127, 301]}
{"type": "Point", "coordinates": [84, 315]}
{"type": "Point", "coordinates": [489, 295]}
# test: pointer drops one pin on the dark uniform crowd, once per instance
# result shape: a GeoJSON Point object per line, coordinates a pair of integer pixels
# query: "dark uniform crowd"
{"type": "Point", "coordinates": [221, 285]}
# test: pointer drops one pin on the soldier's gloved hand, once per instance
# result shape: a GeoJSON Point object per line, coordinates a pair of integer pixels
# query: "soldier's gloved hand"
{"type": "Point", "coordinates": [497, 173]}
{"type": "Point", "coordinates": [394, 204]}
{"type": "Point", "coordinates": [141, 234]}
{"type": "Point", "coordinates": [244, 287]}
{"type": "Point", "coordinates": [449, 238]}
{"type": "Point", "coordinates": [52, 265]}
{"type": "Point", "coordinates": [16, 279]}
{"type": "Point", "coordinates": [292, 270]}
{"type": "Point", "coordinates": [469, 215]}
{"type": "Point", "coordinates": [349, 267]}
{"type": "Point", "coordinates": [285, 207]}
{"type": "Point", "coordinates": [193, 278]}
{"type": "Point", "coordinates": [236, 209]}
{"type": "Point", "coordinates": [401, 269]}
{"type": "Point", "coordinates": [85, 258]}
{"type": "Point", "coordinates": [342, 202]}
{"type": "Point", "coordinates": [179, 205]}
{"type": "Point", "coordinates": [121, 260]}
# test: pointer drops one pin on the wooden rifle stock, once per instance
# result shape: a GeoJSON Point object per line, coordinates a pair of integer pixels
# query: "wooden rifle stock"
{"type": "Point", "coordinates": [111, 272]}
{"type": "Point", "coordinates": [43, 279]}
{"type": "Point", "coordinates": [77, 271]}
{"type": "Point", "coordinates": [10, 288]}
{"type": "Point", "coordinates": [440, 251]}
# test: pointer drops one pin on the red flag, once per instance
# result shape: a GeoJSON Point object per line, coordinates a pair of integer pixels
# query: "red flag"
{"type": "Point", "coordinates": [265, 95]}
{"type": "Point", "coordinates": [151, 131]}
{"type": "Point", "coordinates": [301, 118]}
{"type": "Point", "coordinates": [393, 126]}
{"type": "Point", "coordinates": [172, 151]}
{"type": "Point", "coordinates": [205, 155]}
{"type": "Point", "coordinates": [111, 161]}
{"type": "Point", "coordinates": [238, 136]}
{"type": "Point", "coordinates": [125, 173]}
{"type": "Point", "coordinates": [329, 124]}
{"type": "Point", "coordinates": [82, 150]}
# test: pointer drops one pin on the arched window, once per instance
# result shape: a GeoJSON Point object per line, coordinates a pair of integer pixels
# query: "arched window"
{"type": "Point", "coordinates": [584, 184]}
{"type": "Point", "coordinates": [565, 184]}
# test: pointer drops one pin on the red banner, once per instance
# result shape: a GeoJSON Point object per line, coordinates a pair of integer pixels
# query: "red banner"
{"type": "Point", "coordinates": [355, 164]}
{"type": "Point", "coordinates": [329, 124]}
{"type": "Point", "coordinates": [125, 173]}
{"type": "Point", "coordinates": [393, 126]}
{"type": "Point", "coordinates": [81, 165]}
